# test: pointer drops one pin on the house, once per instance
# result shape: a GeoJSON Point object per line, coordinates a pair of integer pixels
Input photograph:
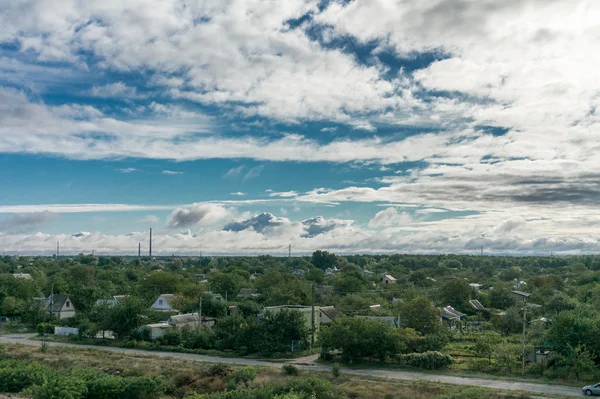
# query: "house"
{"type": "Point", "coordinates": [387, 279]}
{"type": "Point", "coordinates": [476, 304]}
{"type": "Point", "coordinates": [520, 285]}
{"type": "Point", "coordinates": [255, 276]}
{"type": "Point", "coordinates": [306, 312]}
{"type": "Point", "coordinates": [247, 293]}
{"type": "Point", "coordinates": [298, 272]}
{"type": "Point", "coordinates": [214, 295]}
{"type": "Point", "coordinates": [451, 315]}
{"type": "Point", "coordinates": [367, 273]}
{"type": "Point", "coordinates": [476, 286]}
{"type": "Point", "coordinates": [164, 303]}
{"type": "Point", "coordinates": [190, 320]}
{"type": "Point", "coordinates": [57, 305]}
{"type": "Point", "coordinates": [329, 314]}
{"type": "Point", "coordinates": [157, 330]}
{"type": "Point", "coordinates": [24, 276]}
{"type": "Point", "coordinates": [231, 310]}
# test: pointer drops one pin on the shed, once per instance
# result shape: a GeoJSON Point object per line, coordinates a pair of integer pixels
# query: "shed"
{"type": "Point", "coordinates": [387, 279]}
{"type": "Point", "coordinates": [329, 314]}
{"type": "Point", "coordinates": [157, 330]}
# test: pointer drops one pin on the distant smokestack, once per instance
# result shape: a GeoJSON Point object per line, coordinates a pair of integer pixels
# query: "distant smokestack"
{"type": "Point", "coordinates": [139, 249]}
{"type": "Point", "coordinates": [150, 251]}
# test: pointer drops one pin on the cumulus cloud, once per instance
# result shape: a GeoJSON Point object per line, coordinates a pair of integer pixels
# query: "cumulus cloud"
{"type": "Point", "coordinates": [171, 172]}
{"type": "Point", "coordinates": [23, 222]}
{"type": "Point", "coordinates": [128, 170]}
{"type": "Point", "coordinates": [197, 214]}
{"type": "Point", "coordinates": [239, 194]}
{"type": "Point", "coordinates": [390, 217]}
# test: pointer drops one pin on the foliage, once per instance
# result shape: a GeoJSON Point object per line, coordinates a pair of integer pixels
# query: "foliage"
{"type": "Point", "coordinates": [420, 314]}
{"type": "Point", "coordinates": [336, 370]}
{"type": "Point", "coordinates": [58, 387]}
{"type": "Point", "coordinates": [290, 369]}
{"type": "Point", "coordinates": [359, 337]}
{"type": "Point", "coordinates": [426, 360]}
{"type": "Point", "coordinates": [125, 317]}
{"type": "Point", "coordinates": [577, 360]}
{"type": "Point", "coordinates": [570, 329]}
{"type": "Point", "coordinates": [244, 375]}
{"type": "Point", "coordinates": [45, 328]}
{"type": "Point", "coordinates": [323, 259]}
{"type": "Point", "coordinates": [456, 293]}
{"type": "Point", "coordinates": [485, 345]}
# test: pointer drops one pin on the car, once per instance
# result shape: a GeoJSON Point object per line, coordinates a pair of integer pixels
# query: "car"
{"type": "Point", "coordinates": [590, 390]}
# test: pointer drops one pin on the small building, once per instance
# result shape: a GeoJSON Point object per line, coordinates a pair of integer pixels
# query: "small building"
{"type": "Point", "coordinates": [367, 273]}
{"type": "Point", "coordinates": [157, 330]}
{"type": "Point", "coordinates": [232, 309]}
{"type": "Point", "coordinates": [476, 286]}
{"type": "Point", "coordinates": [387, 279]}
{"type": "Point", "coordinates": [298, 272]}
{"type": "Point", "coordinates": [190, 320]}
{"type": "Point", "coordinates": [214, 295]}
{"type": "Point", "coordinates": [329, 314]}
{"type": "Point", "coordinates": [58, 305]}
{"type": "Point", "coordinates": [24, 276]}
{"type": "Point", "coordinates": [246, 293]}
{"type": "Point", "coordinates": [451, 315]}
{"type": "Point", "coordinates": [164, 303]}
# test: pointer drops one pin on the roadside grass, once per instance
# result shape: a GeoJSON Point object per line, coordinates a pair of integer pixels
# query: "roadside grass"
{"type": "Point", "coordinates": [183, 375]}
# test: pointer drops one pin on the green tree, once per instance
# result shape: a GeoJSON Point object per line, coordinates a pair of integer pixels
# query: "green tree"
{"type": "Point", "coordinates": [456, 293]}
{"type": "Point", "coordinates": [501, 298]}
{"type": "Point", "coordinates": [421, 315]}
{"type": "Point", "coordinates": [12, 306]}
{"type": "Point", "coordinates": [570, 329]}
{"type": "Point", "coordinates": [485, 345]}
{"type": "Point", "coordinates": [359, 337]}
{"type": "Point", "coordinates": [323, 259]}
{"type": "Point", "coordinates": [126, 316]}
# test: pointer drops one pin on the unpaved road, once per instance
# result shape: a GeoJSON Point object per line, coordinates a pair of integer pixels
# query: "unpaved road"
{"type": "Point", "coordinates": [533, 388]}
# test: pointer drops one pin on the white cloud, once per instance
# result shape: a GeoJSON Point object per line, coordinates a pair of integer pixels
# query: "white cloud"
{"type": "Point", "coordinates": [115, 90]}
{"type": "Point", "coordinates": [239, 193]}
{"type": "Point", "coordinates": [128, 170]}
{"type": "Point", "coordinates": [390, 217]}
{"type": "Point", "coordinates": [149, 219]}
{"type": "Point", "coordinates": [81, 208]}
{"type": "Point", "coordinates": [171, 172]}
{"type": "Point", "coordinates": [197, 214]}
{"type": "Point", "coordinates": [253, 172]}
{"type": "Point", "coordinates": [22, 222]}
{"type": "Point", "coordinates": [235, 171]}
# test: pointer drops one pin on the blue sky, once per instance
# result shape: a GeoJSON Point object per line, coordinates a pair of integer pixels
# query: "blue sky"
{"type": "Point", "coordinates": [242, 126]}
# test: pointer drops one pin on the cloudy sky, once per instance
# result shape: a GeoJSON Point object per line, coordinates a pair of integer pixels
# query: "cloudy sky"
{"type": "Point", "coordinates": [244, 126]}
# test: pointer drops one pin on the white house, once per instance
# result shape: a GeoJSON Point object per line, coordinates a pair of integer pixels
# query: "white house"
{"type": "Point", "coordinates": [24, 276]}
{"type": "Point", "coordinates": [157, 330]}
{"type": "Point", "coordinates": [164, 303]}
{"type": "Point", "coordinates": [57, 305]}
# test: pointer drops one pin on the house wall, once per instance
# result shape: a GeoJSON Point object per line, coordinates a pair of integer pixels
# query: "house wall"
{"type": "Point", "coordinates": [158, 305]}
{"type": "Point", "coordinates": [67, 311]}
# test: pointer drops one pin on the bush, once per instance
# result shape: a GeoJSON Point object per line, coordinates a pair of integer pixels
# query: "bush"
{"type": "Point", "coordinates": [290, 369]}
{"type": "Point", "coordinates": [16, 376]}
{"type": "Point", "coordinates": [244, 375]}
{"type": "Point", "coordinates": [434, 342]}
{"type": "Point", "coordinates": [172, 337]}
{"type": "Point", "coordinates": [426, 360]}
{"type": "Point", "coordinates": [201, 339]}
{"type": "Point", "coordinates": [335, 370]}
{"type": "Point", "coordinates": [57, 386]}
{"type": "Point", "coordinates": [45, 328]}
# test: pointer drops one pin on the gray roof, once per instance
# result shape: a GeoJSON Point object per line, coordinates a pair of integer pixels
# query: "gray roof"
{"type": "Point", "coordinates": [184, 318]}
{"type": "Point", "coordinates": [450, 313]}
{"type": "Point", "coordinates": [54, 303]}
{"type": "Point", "coordinates": [331, 312]}
{"type": "Point", "coordinates": [476, 304]}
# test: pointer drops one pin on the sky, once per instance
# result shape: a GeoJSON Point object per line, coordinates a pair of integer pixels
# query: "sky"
{"type": "Point", "coordinates": [247, 126]}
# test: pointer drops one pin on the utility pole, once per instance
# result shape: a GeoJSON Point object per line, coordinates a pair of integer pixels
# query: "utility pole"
{"type": "Point", "coordinates": [57, 250]}
{"type": "Point", "coordinates": [290, 251]}
{"type": "Point", "coordinates": [523, 339]}
{"type": "Point", "coordinates": [312, 319]}
{"type": "Point", "coordinates": [139, 249]}
{"type": "Point", "coordinates": [200, 310]}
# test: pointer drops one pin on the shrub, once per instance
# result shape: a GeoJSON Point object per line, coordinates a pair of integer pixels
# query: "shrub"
{"type": "Point", "coordinates": [16, 376]}
{"type": "Point", "coordinates": [290, 369]}
{"type": "Point", "coordinates": [57, 386]}
{"type": "Point", "coordinates": [426, 360]}
{"type": "Point", "coordinates": [434, 342]}
{"type": "Point", "coordinates": [45, 328]}
{"type": "Point", "coordinates": [201, 339]}
{"type": "Point", "coordinates": [335, 370]}
{"type": "Point", "coordinates": [44, 346]}
{"type": "Point", "coordinates": [218, 370]}
{"type": "Point", "coordinates": [172, 337]}
{"type": "Point", "coordinates": [245, 375]}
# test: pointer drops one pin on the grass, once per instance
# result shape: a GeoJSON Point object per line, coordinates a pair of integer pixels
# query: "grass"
{"type": "Point", "coordinates": [180, 371]}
